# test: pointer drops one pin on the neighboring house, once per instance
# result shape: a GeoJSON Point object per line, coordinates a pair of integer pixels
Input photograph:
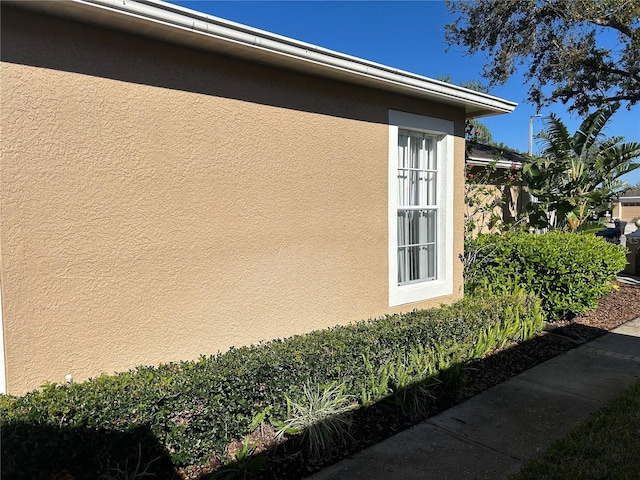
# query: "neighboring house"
{"type": "Point", "coordinates": [513, 196]}
{"type": "Point", "coordinates": [626, 207]}
{"type": "Point", "coordinates": [174, 184]}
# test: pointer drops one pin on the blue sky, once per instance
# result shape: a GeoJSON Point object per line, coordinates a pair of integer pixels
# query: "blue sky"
{"type": "Point", "coordinates": [406, 35]}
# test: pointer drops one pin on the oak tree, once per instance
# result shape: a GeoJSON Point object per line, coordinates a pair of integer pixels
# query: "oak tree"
{"type": "Point", "coordinates": [584, 53]}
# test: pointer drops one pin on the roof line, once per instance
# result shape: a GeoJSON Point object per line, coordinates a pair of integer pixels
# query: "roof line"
{"type": "Point", "coordinates": [483, 162]}
{"type": "Point", "coordinates": [175, 24]}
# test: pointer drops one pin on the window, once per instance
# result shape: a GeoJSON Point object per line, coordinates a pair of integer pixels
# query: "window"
{"type": "Point", "coordinates": [420, 207]}
{"type": "Point", "coordinates": [417, 207]}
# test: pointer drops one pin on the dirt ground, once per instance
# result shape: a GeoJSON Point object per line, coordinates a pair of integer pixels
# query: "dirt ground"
{"type": "Point", "coordinates": [619, 307]}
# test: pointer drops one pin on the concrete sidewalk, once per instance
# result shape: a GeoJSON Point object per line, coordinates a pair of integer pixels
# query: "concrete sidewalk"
{"type": "Point", "coordinates": [492, 434]}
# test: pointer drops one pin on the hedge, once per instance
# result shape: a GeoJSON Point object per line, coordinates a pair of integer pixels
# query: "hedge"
{"type": "Point", "coordinates": [186, 412]}
{"type": "Point", "coordinates": [568, 271]}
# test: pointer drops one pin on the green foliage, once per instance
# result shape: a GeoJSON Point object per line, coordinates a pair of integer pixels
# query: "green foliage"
{"type": "Point", "coordinates": [591, 227]}
{"type": "Point", "coordinates": [412, 379]}
{"type": "Point", "coordinates": [245, 464]}
{"type": "Point", "coordinates": [193, 410]}
{"type": "Point", "coordinates": [568, 271]}
{"type": "Point", "coordinates": [488, 196]}
{"type": "Point", "coordinates": [577, 174]}
{"type": "Point", "coordinates": [133, 469]}
{"type": "Point", "coordinates": [477, 132]}
{"type": "Point", "coordinates": [558, 43]}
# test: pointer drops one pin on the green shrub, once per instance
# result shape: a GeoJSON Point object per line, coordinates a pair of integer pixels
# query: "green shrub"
{"type": "Point", "coordinates": [568, 271]}
{"type": "Point", "coordinates": [195, 409]}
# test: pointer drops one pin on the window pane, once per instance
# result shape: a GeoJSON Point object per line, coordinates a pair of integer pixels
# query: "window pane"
{"type": "Point", "coordinates": [403, 229]}
{"type": "Point", "coordinates": [417, 263]}
{"type": "Point", "coordinates": [417, 227]}
{"type": "Point", "coordinates": [427, 189]}
{"type": "Point", "coordinates": [431, 148]}
{"type": "Point", "coordinates": [403, 145]}
{"type": "Point", "coordinates": [427, 226]}
{"type": "Point", "coordinates": [431, 225]}
{"type": "Point", "coordinates": [430, 187]}
{"type": "Point", "coordinates": [416, 151]}
{"type": "Point", "coordinates": [417, 183]}
{"type": "Point", "coordinates": [416, 245]}
{"type": "Point", "coordinates": [402, 265]}
{"type": "Point", "coordinates": [403, 188]}
{"type": "Point", "coordinates": [414, 187]}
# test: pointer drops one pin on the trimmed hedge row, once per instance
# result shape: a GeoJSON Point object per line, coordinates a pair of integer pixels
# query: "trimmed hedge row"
{"type": "Point", "coordinates": [568, 271]}
{"type": "Point", "coordinates": [194, 409]}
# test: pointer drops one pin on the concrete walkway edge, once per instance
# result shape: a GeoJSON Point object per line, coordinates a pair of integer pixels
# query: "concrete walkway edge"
{"type": "Point", "coordinates": [493, 433]}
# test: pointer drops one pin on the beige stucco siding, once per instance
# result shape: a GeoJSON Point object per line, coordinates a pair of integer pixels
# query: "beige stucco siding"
{"type": "Point", "coordinates": [630, 212]}
{"type": "Point", "coordinates": [159, 203]}
{"type": "Point", "coordinates": [509, 201]}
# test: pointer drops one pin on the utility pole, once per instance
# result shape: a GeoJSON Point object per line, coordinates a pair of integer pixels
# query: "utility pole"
{"type": "Point", "coordinates": [531, 132]}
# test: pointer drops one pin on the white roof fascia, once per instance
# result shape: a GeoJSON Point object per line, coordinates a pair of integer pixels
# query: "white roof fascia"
{"type": "Point", "coordinates": [482, 162]}
{"type": "Point", "coordinates": [628, 199]}
{"type": "Point", "coordinates": [171, 23]}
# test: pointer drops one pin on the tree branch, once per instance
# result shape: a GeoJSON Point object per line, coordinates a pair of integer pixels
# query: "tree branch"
{"type": "Point", "coordinates": [616, 98]}
{"type": "Point", "coordinates": [622, 73]}
{"type": "Point", "coordinates": [612, 23]}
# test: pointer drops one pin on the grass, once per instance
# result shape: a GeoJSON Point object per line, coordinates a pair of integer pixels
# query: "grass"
{"type": "Point", "coordinates": [605, 446]}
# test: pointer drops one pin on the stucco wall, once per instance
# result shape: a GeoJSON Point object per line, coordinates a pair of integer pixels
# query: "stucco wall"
{"type": "Point", "coordinates": [490, 189]}
{"type": "Point", "coordinates": [160, 203]}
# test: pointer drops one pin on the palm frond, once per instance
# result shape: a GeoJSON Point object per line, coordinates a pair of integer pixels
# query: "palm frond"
{"type": "Point", "coordinates": [580, 172]}
{"type": "Point", "coordinates": [619, 155]}
{"type": "Point", "coordinates": [591, 129]}
{"type": "Point", "coordinates": [555, 138]}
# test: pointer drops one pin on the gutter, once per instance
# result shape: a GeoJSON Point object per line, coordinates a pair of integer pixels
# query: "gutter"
{"type": "Point", "coordinates": [483, 162]}
{"type": "Point", "coordinates": [170, 23]}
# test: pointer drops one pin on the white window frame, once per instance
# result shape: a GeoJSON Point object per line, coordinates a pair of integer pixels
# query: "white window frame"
{"type": "Point", "coordinates": [443, 132]}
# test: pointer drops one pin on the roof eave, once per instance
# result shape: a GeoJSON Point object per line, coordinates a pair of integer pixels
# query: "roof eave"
{"type": "Point", "coordinates": [483, 162]}
{"type": "Point", "coordinates": [174, 24]}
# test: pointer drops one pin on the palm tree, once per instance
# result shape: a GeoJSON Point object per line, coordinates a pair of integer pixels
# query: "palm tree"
{"type": "Point", "coordinates": [575, 176]}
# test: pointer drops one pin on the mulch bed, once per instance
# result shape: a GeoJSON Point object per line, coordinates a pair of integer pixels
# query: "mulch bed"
{"type": "Point", "coordinates": [376, 423]}
{"type": "Point", "coordinates": [619, 307]}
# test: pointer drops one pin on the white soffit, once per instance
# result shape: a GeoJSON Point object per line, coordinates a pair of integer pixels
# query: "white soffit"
{"type": "Point", "coordinates": [171, 23]}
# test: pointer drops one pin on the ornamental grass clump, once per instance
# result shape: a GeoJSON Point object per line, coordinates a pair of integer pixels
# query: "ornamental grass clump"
{"type": "Point", "coordinates": [322, 417]}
